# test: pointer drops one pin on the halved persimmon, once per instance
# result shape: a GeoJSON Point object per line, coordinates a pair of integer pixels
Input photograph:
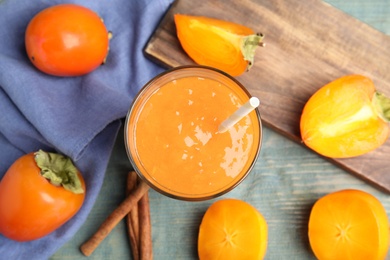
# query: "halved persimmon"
{"type": "Point", "coordinates": [232, 229]}
{"type": "Point", "coordinates": [349, 225]}
{"type": "Point", "coordinates": [221, 44]}
{"type": "Point", "coordinates": [346, 118]}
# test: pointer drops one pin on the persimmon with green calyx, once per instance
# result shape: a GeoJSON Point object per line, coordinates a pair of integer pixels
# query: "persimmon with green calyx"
{"type": "Point", "coordinates": [232, 229]}
{"type": "Point", "coordinates": [221, 44]}
{"type": "Point", "coordinates": [349, 225]}
{"type": "Point", "coordinates": [346, 118]}
{"type": "Point", "coordinates": [38, 194]}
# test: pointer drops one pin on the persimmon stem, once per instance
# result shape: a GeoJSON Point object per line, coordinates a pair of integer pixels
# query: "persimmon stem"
{"type": "Point", "coordinates": [249, 45]}
{"type": "Point", "coordinates": [261, 44]}
{"type": "Point", "coordinates": [59, 170]}
{"type": "Point", "coordinates": [382, 104]}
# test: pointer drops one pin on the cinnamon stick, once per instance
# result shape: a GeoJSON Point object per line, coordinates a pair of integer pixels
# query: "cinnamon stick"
{"type": "Point", "coordinates": [145, 234]}
{"type": "Point", "coordinates": [132, 217]}
{"type": "Point", "coordinates": [117, 215]}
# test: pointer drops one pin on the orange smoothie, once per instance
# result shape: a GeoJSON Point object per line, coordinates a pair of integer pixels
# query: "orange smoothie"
{"type": "Point", "coordinates": [173, 137]}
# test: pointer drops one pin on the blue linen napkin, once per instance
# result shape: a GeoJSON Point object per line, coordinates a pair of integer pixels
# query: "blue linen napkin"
{"type": "Point", "coordinates": [77, 116]}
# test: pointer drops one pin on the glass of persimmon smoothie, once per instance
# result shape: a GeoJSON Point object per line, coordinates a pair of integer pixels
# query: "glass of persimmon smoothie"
{"type": "Point", "coordinates": [172, 138]}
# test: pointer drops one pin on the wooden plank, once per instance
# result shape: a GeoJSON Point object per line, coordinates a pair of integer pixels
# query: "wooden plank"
{"type": "Point", "coordinates": [308, 44]}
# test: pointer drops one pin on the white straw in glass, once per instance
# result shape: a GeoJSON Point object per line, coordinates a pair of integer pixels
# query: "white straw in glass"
{"type": "Point", "coordinates": [239, 114]}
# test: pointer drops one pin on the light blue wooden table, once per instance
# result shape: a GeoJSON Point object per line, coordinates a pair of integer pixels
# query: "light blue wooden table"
{"type": "Point", "coordinates": [283, 186]}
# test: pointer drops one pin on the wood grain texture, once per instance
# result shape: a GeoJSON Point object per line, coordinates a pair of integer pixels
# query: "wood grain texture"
{"type": "Point", "coordinates": [308, 44]}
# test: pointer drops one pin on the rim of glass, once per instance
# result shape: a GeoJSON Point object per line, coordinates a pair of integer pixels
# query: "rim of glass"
{"type": "Point", "coordinates": [221, 191]}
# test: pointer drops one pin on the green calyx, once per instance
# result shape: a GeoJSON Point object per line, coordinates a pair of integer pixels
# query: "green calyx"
{"type": "Point", "coordinates": [382, 105]}
{"type": "Point", "coordinates": [249, 46]}
{"type": "Point", "coordinates": [59, 170]}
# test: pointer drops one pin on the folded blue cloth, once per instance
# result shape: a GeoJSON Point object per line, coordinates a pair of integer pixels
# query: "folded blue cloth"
{"type": "Point", "coordinates": [77, 116]}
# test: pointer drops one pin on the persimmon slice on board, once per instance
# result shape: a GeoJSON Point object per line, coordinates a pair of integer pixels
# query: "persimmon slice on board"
{"type": "Point", "coordinates": [221, 44]}
{"type": "Point", "coordinates": [346, 118]}
{"type": "Point", "coordinates": [349, 224]}
{"type": "Point", "coordinates": [232, 229]}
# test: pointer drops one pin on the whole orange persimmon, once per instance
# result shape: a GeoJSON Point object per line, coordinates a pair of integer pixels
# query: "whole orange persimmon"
{"type": "Point", "coordinates": [346, 118]}
{"type": "Point", "coordinates": [38, 194]}
{"type": "Point", "coordinates": [67, 40]}
{"type": "Point", "coordinates": [349, 225]}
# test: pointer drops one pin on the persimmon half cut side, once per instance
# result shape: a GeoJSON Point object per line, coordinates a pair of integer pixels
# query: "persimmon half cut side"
{"type": "Point", "coordinates": [232, 229]}
{"type": "Point", "coordinates": [346, 118]}
{"type": "Point", "coordinates": [349, 225]}
{"type": "Point", "coordinates": [221, 44]}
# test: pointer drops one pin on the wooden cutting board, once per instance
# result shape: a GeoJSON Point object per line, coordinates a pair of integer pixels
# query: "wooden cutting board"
{"type": "Point", "coordinates": [308, 44]}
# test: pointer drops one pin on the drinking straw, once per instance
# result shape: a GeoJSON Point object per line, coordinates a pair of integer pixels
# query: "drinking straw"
{"type": "Point", "coordinates": [245, 109]}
